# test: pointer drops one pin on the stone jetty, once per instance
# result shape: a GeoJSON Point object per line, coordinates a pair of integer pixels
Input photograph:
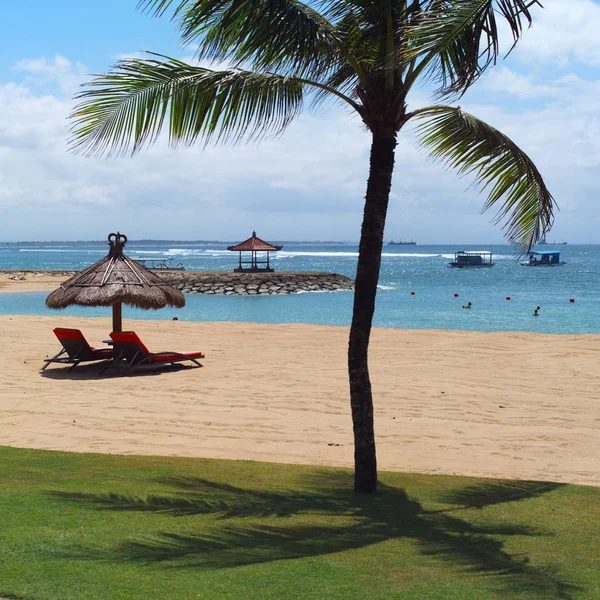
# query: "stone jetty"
{"type": "Point", "coordinates": [255, 284]}
{"type": "Point", "coordinates": [225, 283]}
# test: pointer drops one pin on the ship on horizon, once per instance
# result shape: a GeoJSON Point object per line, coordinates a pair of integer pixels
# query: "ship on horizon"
{"type": "Point", "coordinates": [401, 243]}
{"type": "Point", "coordinates": [543, 242]}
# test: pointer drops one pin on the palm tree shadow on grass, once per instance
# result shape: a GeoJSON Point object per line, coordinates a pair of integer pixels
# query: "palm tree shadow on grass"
{"type": "Point", "coordinates": [361, 521]}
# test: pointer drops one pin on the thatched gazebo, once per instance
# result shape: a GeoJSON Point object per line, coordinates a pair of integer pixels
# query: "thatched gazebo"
{"type": "Point", "coordinates": [113, 281]}
{"type": "Point", "coordinates": [254, 245]}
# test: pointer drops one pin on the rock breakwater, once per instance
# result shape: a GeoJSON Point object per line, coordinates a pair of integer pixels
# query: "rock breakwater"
{"type": "Point", "coordinates": [224, 283]}
{"type": "Point", "coordinates": [255, 284]}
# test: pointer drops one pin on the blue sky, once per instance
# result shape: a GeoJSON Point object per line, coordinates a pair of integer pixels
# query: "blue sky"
{"type": "Point", "coordinates": [308, 184]}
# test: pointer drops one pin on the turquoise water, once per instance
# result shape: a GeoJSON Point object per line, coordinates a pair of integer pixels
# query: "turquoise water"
{"type": "Point", "coordinates": [422, 269]}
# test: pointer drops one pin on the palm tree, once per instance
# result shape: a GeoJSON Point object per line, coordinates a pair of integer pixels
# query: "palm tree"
{"type": "Point", "coordinates": [364, 54]}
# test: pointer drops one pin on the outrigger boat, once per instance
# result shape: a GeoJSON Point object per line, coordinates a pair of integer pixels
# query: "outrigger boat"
{"type": "Point", "coordinates": [545, 258]}
{"type": "Point", "coordinates": [473, 259]}
{"type": "Point", "coordinates": [160, 264]}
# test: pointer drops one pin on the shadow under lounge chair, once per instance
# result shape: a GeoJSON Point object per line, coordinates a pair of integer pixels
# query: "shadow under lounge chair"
{"type": "Point", "coordinates": [76, 349]}
{"type": "Point", "coordinates": [128, 346]}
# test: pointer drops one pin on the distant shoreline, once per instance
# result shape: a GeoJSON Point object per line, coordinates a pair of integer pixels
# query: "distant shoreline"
{"type": "Point", "coordinates": [227, 242]}
{"type": "Point", "coordinates": [162, 242]}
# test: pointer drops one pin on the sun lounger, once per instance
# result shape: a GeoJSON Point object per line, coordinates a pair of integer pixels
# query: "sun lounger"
{"type": "Point", "coordinates": [76, 349]}
{"type": "Point", "coordinates": [128, 346]}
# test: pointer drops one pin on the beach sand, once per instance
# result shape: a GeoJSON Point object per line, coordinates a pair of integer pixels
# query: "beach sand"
{"type": "Point", "coordinates": [32, 281]}
{"type": "Point", "coordinates": [508, 405]}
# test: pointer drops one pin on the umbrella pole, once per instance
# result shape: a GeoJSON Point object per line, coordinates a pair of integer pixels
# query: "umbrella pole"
{"type": "Point", "coordinates": [117, 317]}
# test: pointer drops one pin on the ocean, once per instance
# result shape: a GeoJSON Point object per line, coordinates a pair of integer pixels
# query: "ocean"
{"type": "Point", "coordinates": [405, 269]}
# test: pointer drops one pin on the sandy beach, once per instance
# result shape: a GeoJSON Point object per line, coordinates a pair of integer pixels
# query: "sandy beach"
{"type": "Point", "coordinates": [31, 281]}
{"type": "Point", "coordinates": [490, 404]}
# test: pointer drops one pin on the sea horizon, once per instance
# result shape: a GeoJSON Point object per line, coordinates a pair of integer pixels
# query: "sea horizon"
{"type": "Point", "coordinates": [284, 241]}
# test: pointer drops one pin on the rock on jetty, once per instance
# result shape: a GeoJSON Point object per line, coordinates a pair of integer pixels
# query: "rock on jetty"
{"type": "Point", "coordinates": [255, 284]}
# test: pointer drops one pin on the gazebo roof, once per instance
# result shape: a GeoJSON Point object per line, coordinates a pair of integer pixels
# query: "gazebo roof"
{"type": "Point", "coordinates": [254, 244]}
{"type": "Point", "coordinates": [115, 279]}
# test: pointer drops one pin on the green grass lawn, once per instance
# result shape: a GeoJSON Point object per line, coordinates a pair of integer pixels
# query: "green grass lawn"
{"type": "Point", "coordinates": [90, 526]}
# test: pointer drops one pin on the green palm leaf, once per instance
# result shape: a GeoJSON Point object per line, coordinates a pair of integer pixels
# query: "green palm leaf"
{"type": "Point", "coordinates": [126, 108]}
{"type": "Point", "coordinates": [473, 147]}
{"type": "Point", "coordinates": [458, 39]}
{"type": "Point", "coordinates": [273, 35]}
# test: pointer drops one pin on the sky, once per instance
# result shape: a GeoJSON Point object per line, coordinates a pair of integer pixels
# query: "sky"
{"type": "Point", "coordinates": [308, 184]}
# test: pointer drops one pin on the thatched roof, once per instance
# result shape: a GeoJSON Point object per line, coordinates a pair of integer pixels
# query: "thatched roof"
{"type": "Point", "coordinates": [116, 279]}
{"type": "Point", "coordinates": [254, 244]}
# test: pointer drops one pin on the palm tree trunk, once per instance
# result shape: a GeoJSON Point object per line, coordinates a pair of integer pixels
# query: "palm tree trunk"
{"type": "Point", "coordinates": [367, 275]}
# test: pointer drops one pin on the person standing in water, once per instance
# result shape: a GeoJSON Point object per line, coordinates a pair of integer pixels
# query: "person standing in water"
{"type": "Point", "coordinates": [467, 305]}
{"type": "Point", "coordinates": [536, 312]}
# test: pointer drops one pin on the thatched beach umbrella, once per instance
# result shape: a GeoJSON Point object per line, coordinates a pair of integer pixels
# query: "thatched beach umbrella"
{"type": "Point", "coordinates": [113, 281]}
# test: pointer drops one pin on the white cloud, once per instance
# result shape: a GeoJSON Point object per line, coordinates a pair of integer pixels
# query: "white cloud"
{"type": "Point", "coordinates": [309, 184]}
{"type": "Point", "coordinates": [563, 32]}
{"type": "Point", "coordinates": [131, 56]}
{"type": "Point", "coordinates": [65, 74]}
{"type": "Point", "coordinates": [502, 79]}
{"type": "Point", "coordinates": [185, 193]}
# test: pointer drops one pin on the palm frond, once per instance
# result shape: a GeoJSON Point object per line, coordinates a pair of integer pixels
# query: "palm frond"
{"type": "Point", "coordinates": [456, 40]}
{"type": "Point", "coordinates": [471, 146]}
{"type": "Point", "coordinates": [287, 36]}
{"type": "Point", "coordinates": [158, 8]}
{"type": "Point", "coordinates": [126, 108]}
{"type": "Point", "coordinates": [344, 80]}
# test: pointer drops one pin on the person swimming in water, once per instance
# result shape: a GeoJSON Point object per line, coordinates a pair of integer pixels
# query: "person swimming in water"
{"type": "Point", "coordinates": [467, 305]}
{"type": "Point", "coordinates": [536, 311]}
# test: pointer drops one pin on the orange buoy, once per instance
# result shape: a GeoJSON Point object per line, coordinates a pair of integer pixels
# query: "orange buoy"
{"type": "Point", "coordinates": [412, 293]}
{"type": "Point", "coordinates": [571, 299]}
{"type": "Point", "coordinates": [455, 295]}
{"type": "Point", "coordinates": [508, 297]}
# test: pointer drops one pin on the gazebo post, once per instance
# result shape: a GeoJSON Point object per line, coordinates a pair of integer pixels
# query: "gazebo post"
{"type": "Point", "coordinates": [117, 317]}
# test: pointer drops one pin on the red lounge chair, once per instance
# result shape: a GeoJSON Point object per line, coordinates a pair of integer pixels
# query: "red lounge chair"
{"type": "Point", "coordinates": [128, 346]}
{"type": "Point", "coordinates": [76, 348]}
